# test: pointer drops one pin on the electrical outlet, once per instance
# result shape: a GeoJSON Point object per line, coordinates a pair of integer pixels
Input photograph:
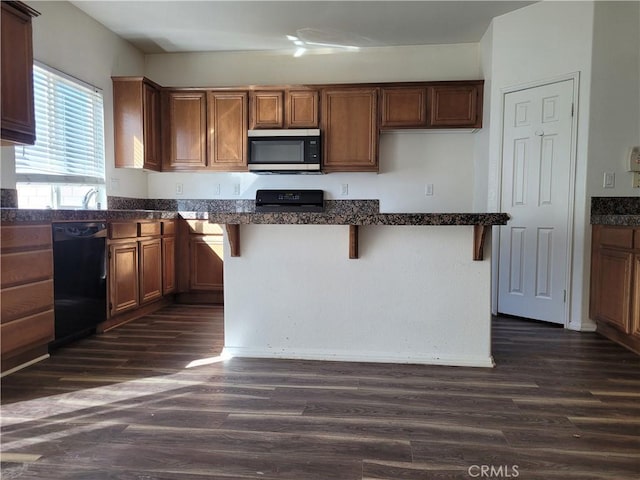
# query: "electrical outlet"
{"type": "Point", "coordinates": [115, 184]}
{"type": "Point", "coordinates": [216, 190]}
{"type": "Point", "coordinates": [236, 189]}
{"type": "Point", "coordinates": [179, 189]}
{"type": "Point", "coordinates": [609, 180]}
{"type": "Point", "coordinates": [344, 189]}
{"type": "Point", "coordinates": [636, 179]}
{"type": "Point", "coordinates": [428, 189]}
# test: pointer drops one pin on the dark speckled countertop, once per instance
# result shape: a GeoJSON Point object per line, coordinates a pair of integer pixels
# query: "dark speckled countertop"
{"type": "Point", "coordinates": [336, 212]}
{"type": "Point", "coordinates": [623, 211]}
{"type": "Point", "coordinates": [360, 219]}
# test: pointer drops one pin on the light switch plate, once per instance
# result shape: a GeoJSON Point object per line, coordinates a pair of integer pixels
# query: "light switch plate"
{"type": "Point", "coordinates": [179, 189]}
{"type": "Point", "coordinates": [609, 180]}
{"type": "Point", "coordinates": [428, 189]}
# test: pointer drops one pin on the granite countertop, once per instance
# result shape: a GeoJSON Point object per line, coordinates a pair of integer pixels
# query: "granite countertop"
{"type": "Point", "coordinates": [622, 211]}
{"type": "Point", "coordinates": [34, 215]}
{"type": "Point", "coordinates": [282, 218]}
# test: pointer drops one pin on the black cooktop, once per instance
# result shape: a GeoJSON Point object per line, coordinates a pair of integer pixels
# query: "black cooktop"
{"type": "Point", "coordinates": [289, 201]}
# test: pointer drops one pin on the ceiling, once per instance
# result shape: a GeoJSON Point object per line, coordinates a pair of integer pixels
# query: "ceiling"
{"type": "Point", "coordinates": [196, 26]}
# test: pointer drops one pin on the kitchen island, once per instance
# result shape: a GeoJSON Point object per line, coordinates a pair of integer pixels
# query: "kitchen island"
{"type": "Point", "coordinates": [414, 294]}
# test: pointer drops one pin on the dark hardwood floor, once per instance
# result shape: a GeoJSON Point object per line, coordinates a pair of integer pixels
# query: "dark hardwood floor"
{"type": "Point", "coordinates": [135, 403]}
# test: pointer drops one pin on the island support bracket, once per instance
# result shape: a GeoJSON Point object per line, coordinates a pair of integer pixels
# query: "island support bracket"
{"type": "Point", "coordinates": [233, 232]}
{"type": "Point", "coordinates": [479, 234]}
{"type": "Point", "coordinates": [353, 241]}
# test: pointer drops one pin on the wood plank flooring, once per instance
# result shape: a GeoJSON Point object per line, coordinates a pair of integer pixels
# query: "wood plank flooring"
{"type": "Point", "coordinates": [150, 400]}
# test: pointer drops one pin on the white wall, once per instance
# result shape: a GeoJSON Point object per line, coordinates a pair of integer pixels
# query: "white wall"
{"type": "Point", "coordinates": [614, 124]}
{"type": "Point", "coordinates": [408, 160]}
{"type": "Point", "coordinates": [294, 293]}
{"type": "Point", "coordinates": [67, 39]}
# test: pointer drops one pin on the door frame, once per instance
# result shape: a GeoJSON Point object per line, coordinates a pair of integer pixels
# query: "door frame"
{"type": "Point", "coordinates": [495, 242]}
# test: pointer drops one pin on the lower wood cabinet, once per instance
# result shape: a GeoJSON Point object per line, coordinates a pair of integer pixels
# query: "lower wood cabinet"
{"type": "Point", "coordinates": [150, 270]}
{"type": "Point", "coordinates": [615, 283]}
{"type": "Point", "coordinates": [26, 293]}
{"type": "Point", "coordinates": [199, 262]}
{"type": "Point", "coordinates": [168, 265]}
{"type": "Point", "coordinates": [141, 265]}
{"type": "Point", "coordinates": [123, 277]}
{"type": "Point", "coordinates": [206, 263]}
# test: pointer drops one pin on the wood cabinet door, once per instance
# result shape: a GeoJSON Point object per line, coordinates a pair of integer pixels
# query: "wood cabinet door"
{"type": "Point", "coordinates": [452, 106]}
{"type": "Point", "coordinates": [612, 288]}
{"type": "Point", "coordinates": [635, 294]}
{"type": "Point", "coordinates": [228, 130]}
{"type": "Point", "coordinates": [150, 252]}
{"type": "Point", "coordinates": [168, 265]}
{"type": "Point", "coordinates": [151, 113]}
{"type": "Point", "coordinates": [301, 109]}
{"type": "Point", "coordinates": [349, 124]}
{"type": "Point", "coordinates": [123, 277]}
{"type": "Point", "coordinates": [404, 107]}
{"type": "Point", "coordinates": [186, 131]}
{"type": "Point", "coordinates": [206, 254]}
{"type": "Point", "coordinates": [267, 109]}
{"type": "Point", "coordinates": [16, 56]}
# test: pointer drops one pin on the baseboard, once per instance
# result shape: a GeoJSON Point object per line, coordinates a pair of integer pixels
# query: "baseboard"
{"type": "Point", "coordinates": [328, 356]}
{"type": "Point", "coordinates": [584, 326]}
{"type": "Point", "coordinates": [24, 365]}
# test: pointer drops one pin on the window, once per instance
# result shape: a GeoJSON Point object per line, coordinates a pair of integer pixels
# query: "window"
{"type": "Point", "coordinates": [65, 168]}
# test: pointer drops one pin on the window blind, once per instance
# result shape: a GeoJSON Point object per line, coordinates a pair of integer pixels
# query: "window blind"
{"type": "Point", "coordinates": [69, 144]}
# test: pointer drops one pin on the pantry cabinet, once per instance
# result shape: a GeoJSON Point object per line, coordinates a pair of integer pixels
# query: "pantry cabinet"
{"type": "Point", "coordinates": [184, 115]}
{"type": "Point", "coordinates": [227, 121]}
{"type": "Point", "coordinates": [615, 283]}
{"type": "Point", "coordinates": [16, 83]}
{"type": "Point", "coordinates": [136, 122]}
{"type": "Point", "coordinates": [350, 129]}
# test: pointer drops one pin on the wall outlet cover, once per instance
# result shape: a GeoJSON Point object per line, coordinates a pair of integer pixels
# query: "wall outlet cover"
{"type": "Point", "coordinates": [609, 180]}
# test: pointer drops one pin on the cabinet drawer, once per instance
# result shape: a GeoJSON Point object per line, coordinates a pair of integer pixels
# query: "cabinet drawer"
{"type": "Point", "coordinates": [25, 237]}
{"type": "Point", "coordinates": [123, 230]}
{"type": "Point", "coordinates": [27, 332]}
{"type": "Point", "coordinates": [18, 302]}
{"type": "Point", "coordinates": [26, 267]}
{"type": "Point", "coordinates": [203, 227]}
{"type": "Point", "coordinates": [168, 227]}
{"type": "Point", "coordinates": [148, 229]}
{"type": "Point", "coordinates": [616, 237]}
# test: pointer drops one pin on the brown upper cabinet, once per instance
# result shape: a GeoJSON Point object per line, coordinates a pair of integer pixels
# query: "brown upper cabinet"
{"type": "Point", "coordinates": [184, 130]}
{"type": "Point", "coordinates": [301, 109]}
{"type": "Point", "coordinates": [267, 109]}
{"type": "Point", "coordinates": [227, 119]}
{"type": "Point", "coordinates": [456, 105]}
{"type": "Point", "coordinates": [17, 111]}
{"type": "Point", "coordinates": [349, 126]}
{"type": "Point", "coordinates": [292, 108]}
{"type": "Point", "coordinates": [136, 123]}
{"type": "Point", "coordinates": [403, 107]}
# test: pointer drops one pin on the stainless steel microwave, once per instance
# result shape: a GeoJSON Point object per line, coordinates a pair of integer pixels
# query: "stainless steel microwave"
{"type": "Point", "coordinates": [284, 151]}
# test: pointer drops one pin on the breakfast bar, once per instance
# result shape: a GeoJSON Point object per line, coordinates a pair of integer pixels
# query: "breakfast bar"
{"type": "Point", "coordinates": [291, 292]}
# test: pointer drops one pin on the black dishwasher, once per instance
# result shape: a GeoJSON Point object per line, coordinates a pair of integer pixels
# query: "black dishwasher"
{"type": "Point", "coordinates": [79, 279]}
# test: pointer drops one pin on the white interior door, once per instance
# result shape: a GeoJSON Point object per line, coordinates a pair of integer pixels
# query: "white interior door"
{"type": "Point", "coordinates": [536, 164]}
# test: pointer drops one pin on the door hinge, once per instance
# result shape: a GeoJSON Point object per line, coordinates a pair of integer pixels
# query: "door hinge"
{"type": "Point", "coordinates": [564, 292]}
{"type": "Point", "coordinates": [572, 108]}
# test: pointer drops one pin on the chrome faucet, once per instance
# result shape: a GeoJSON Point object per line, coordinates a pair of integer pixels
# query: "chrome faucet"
{"type": "Point", "coordinates": [87, 197]}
